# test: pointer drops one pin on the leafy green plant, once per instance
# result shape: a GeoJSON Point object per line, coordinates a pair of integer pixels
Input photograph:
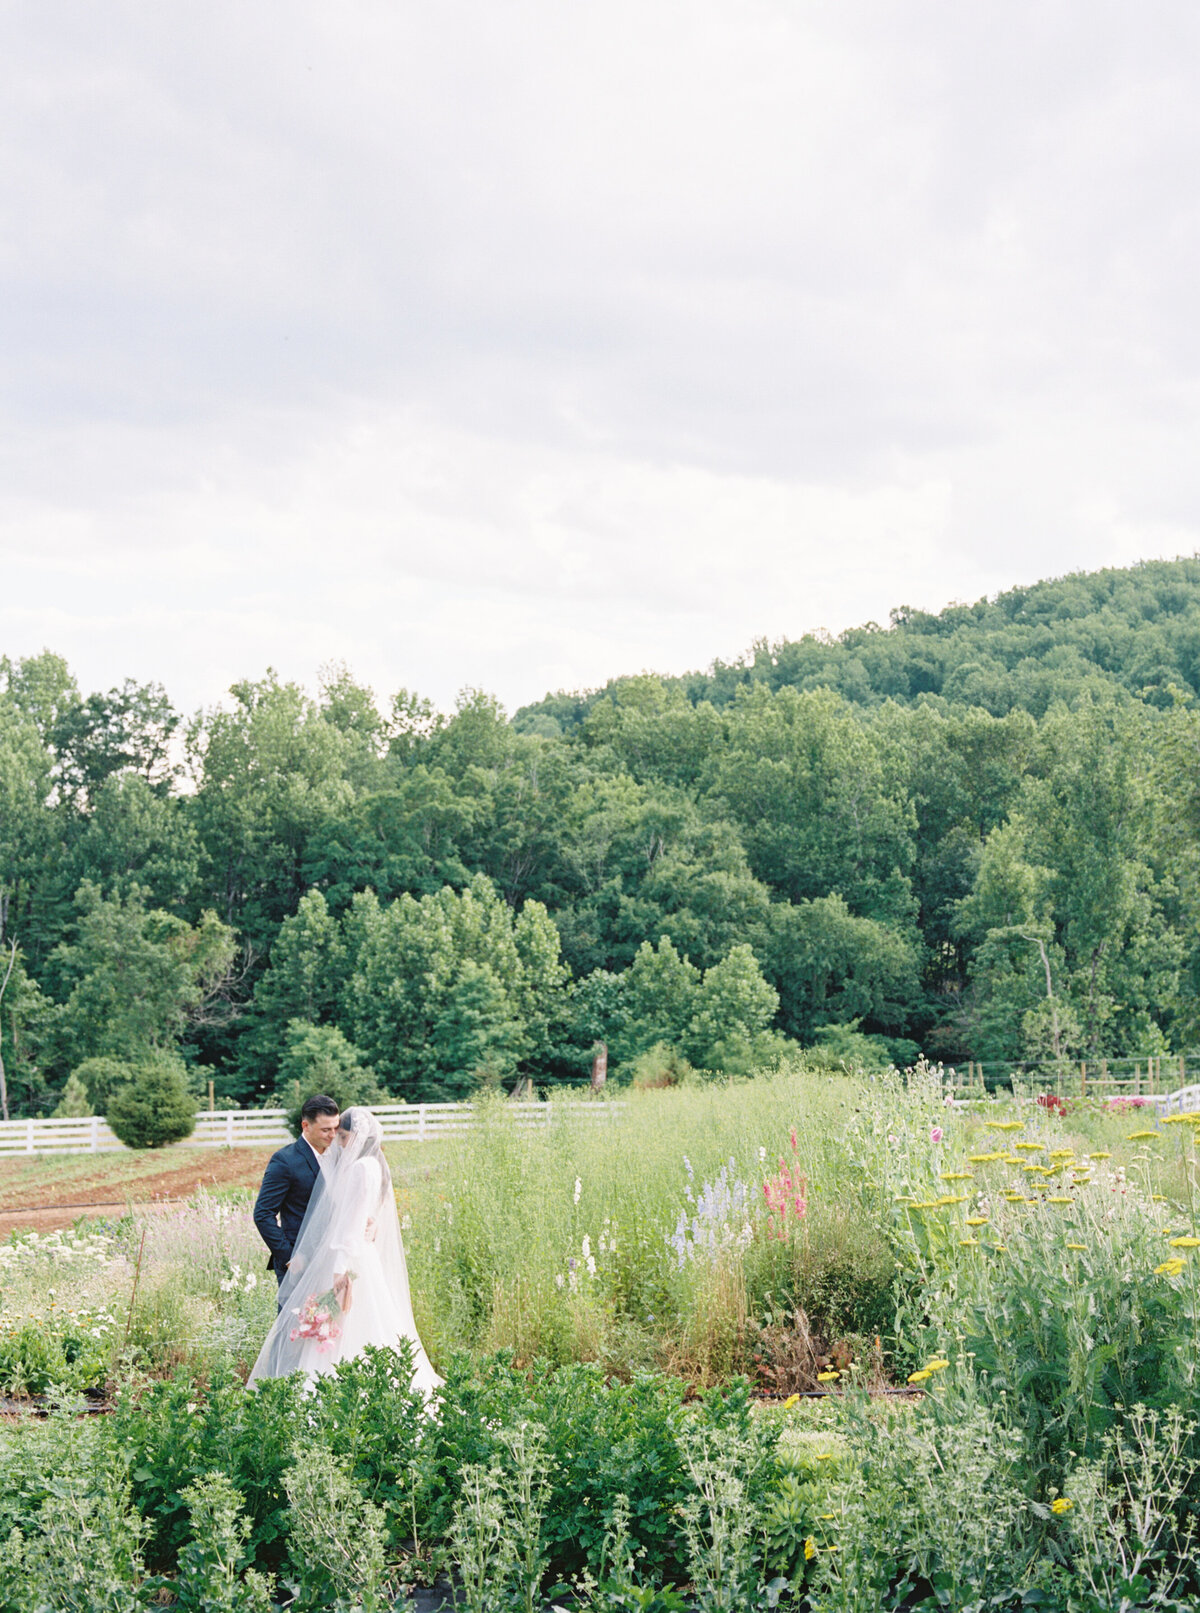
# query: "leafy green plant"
{"type": "Point", "coordinates": [154, 1106]}
{"type": "Point", "coordinates": [209, 1577]}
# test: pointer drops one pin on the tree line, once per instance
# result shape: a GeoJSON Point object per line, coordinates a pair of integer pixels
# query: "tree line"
{"type": "Point", "coordinates": [975, 835]}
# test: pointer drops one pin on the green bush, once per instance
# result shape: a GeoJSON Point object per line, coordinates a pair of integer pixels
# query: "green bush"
{"type": "Point", "coordinates": [153, 1108]}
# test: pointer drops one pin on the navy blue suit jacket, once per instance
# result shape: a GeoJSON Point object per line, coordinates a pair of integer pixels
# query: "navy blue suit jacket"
{"type": "Point", "coordinates": [287, 1186]}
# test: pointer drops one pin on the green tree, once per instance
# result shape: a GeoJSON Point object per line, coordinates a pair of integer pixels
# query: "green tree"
{"type": "Point", "coordinates": [660, 998]}
{"type": "Point", "coordinates": [734, 1007]}
{"type": "Point", "coordinates": [831, 966]}
{"type": "Point", "coordinates": [806, 784]}
{"type": "Point", "coordinates": [408, 978]}
{"type": "Point", "coordinates": [154, 1106]}
{"type": "Point", "coordinates": [301, 983]}
{"type": "Point", "coordinates": [134, 978]}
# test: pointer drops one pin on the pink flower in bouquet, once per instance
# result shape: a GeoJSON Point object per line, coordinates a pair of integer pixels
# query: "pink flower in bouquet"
{"type": "Point", "coordinates": [936, 1134]}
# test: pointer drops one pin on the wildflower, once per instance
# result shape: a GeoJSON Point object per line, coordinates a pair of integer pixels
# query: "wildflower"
{"type": "Point", "coordinates": [1009, 1125]}
{"type": "Point", "coordinates": [1101, 1155]}
{"type": "Point", "coordinates": [1061, 1505]}
{"type": "Point", "coordinates": [578, 1189]}
{"type": "Point", "coordinates": [824, 1456]}
{"type": "Point", "coordinates": [968, 1243]}
{"type": "Point", "coordinates": [955, 1176]}
{"type": "Point", "coordinates": [1185, 1243]}
{"type": "Point", "coordinates": [1135, 1136]}
{"type": "Point", "coordinates": [1031, 1148]}
{"type": "Point", "coordinates": [1061, 1153]}
{"type": "Point", "coordinates": [762, 1154]}
{"type": "Point", "coordinates": [919, 1377]}
{"type": "Point", "coordinates": [792, 1137]}
{"type": "Point", "coordinates": [1060, 1200]}
{"type": "Point", "coordinates": [1077, 1246]}
{"type": "Point", "coordinates": [792, 1400]}
{"type": "Point", "coordinates": [810, 1549]}
{"type": "Point", "coordinates": [827, 1377]}
{"type": "Point", "coordinates": [936, 1134]}
{"type": "Point", "coordinates": [1157, 1198]}
{"type": "Point", "coordinates": [938, 1364]}
{"type": "Point", "coordinates": [977, 1220]}
{"type": "Point", "coordinates": [1170, 1268]}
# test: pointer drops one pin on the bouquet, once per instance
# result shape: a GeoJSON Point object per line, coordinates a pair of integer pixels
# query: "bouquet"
{"type": "Point", "coordinates": [319, 1320]}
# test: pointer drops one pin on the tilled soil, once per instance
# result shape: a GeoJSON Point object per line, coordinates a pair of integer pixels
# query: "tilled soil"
{"type": "Point", "coordinates": [47, 1203]}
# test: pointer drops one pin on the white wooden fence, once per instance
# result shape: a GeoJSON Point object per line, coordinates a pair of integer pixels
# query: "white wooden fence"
{"type": "Point", "coordinates": [265, 1128]}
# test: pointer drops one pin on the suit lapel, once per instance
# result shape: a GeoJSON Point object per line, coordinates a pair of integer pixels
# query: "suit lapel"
{"type": "Point", "coordinates": [309, 1157]}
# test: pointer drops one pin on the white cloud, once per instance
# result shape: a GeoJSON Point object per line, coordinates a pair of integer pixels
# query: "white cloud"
{"type": "Point", "coordinates": [521, 346]}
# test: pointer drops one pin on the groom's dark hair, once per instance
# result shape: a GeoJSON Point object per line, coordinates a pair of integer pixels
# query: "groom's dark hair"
{"type": "Point", "coordinates": [318, 1104]}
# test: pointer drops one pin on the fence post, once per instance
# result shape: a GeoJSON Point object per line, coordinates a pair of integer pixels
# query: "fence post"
{"type": "Point", "coordinates": [229, 1128]}
{"type": "Point", "coordinates": [421, 1124]}
{"type": "Point", "coordinates": [95, 1148]}
{"type": "Point", "coordinates": [1083, 1078]}
{"type": "Point", "coordinates": [29, 1135]}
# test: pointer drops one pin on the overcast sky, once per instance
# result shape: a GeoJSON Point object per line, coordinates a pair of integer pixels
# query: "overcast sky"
{"type": "Point", "coordinates": [520, 345]}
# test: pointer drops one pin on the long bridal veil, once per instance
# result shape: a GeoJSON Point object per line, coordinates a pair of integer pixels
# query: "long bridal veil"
{"type": "Point", "coordinates": [351, 1232]}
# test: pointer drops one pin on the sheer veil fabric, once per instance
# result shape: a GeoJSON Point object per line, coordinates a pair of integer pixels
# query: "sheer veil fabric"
{"type": "Point", "coordinates": [350, 1229]}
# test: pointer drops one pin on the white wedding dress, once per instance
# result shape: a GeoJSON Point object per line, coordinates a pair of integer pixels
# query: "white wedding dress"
{"type": "Point", "coordinates": [350, 1236]}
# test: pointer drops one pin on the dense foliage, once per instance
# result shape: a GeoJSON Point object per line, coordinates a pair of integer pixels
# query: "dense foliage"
{"type": "Point", "coordinates": [977, 834]}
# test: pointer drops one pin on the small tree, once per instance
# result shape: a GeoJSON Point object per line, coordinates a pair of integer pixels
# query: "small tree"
{"type": "Point", "coordinates": [74, 1103]}
{"type": "Point", "coordinates": [154, 1107]}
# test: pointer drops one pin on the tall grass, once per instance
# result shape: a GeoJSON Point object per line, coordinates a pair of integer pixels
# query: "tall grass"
{"type": "Point", "coordinates": [637, 1232]}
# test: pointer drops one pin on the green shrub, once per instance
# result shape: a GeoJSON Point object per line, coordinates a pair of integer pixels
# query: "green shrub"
{"type": "Point", "coordinates": [153, 1108]}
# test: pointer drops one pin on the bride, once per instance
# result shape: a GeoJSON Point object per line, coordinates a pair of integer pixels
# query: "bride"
{"type": "Point", "coordinates": [346, 1285]}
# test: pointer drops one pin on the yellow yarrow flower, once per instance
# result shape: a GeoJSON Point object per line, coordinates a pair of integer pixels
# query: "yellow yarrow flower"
{"type": "Point", "coordinates": [977, 1220]}
{"type": "Point", "coordinates": [1006, 1125]}
{"type": "Point", "coordinates": [1059, 1200]}
{"type": "Point", "coordinates": [1135, 1136]}
{"type": "Point", "coordinates": [938, 1364]}
{"type": "Point", "coordinates": [1061, 1153]}
{"type": "Point", "coordinates": [810, 1549]}
{"type": "Point", "coordinates": [956, 1176]}
{"type": "Point", "coordinates": [1077, 1246]}
{"type": "Point", "coordinates": [1101, 1155]}
{"type": "Point", "coordinates": [1170, 1268]}
{"type": "Point", "coordinates": [1032, 1148]}
{"type": "Point", "coordinates": [1185, 1243]}
{"type": "Point", "coordinates": [792, 1400]}
{"type": "Point", "coordinates": [827, 1377]}
{"type": "Point", "coordinates": [968, 1243]}
{"type": "Point", "coordinates": [919, 1377]}
{"type": "Point", "coordinates": [1061, 1505]}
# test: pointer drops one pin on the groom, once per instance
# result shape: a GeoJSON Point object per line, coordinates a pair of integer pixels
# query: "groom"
{"type": "Point", "coordinates": [289, 1179]}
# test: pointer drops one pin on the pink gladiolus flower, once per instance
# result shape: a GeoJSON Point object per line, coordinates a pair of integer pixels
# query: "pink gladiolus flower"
{"type": "Point", "coordinates": [801, 1206]}
{"type": "Point", "coordinates": [936, 1135]}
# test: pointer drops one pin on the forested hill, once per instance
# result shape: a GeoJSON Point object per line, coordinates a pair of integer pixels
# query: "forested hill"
{"type": "Point", "coordinates": [1131, 632]}
{"type": "Point", "coordinates": [977, 834]}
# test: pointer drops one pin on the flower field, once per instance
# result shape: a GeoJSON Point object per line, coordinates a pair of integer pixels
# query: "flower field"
{"type": "Point", "coordinates": [634, 1317]}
